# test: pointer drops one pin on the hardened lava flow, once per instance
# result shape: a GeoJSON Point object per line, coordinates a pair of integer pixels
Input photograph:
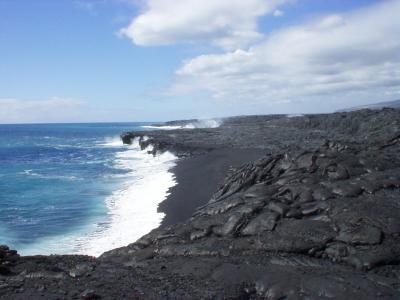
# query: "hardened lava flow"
{"type": "Point", "coordinates": [316, 216]}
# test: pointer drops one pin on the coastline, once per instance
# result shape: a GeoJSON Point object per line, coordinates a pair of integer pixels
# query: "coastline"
{"type": "Point", "coordinates": [198, 177]}
{"type": "Point", "coordinates": [315, 217]}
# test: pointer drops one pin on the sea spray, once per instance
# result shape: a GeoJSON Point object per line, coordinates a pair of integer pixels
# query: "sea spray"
{"type": "Point", "coordinates": [75, 188]}
{"type": "Point", "coordinates": [204, 123]}
{"type": "Point", "coordinates": [131, 209]}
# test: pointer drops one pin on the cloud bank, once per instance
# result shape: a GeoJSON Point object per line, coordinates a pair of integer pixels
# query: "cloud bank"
{"type": "Point", "coordinates": [227, 24]}
{"type": "Point", "coordinates": [40, 111]}
{"type": "Point", "coordinates": [349, 56]}
{"type": "Point", "coordinates": [355, 54]}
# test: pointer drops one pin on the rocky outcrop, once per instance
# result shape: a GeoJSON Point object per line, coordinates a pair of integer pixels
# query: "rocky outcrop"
{"type": "Point", "coordinates": [317, 219]}
{"type": "Point", "coordinates": [276, 134]}
{"type": "Point", "coordinates": [326, 219]}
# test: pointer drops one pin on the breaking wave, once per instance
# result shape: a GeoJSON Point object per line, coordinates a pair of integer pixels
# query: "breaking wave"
{"type": "Point", "coordinates": [206, 123]}
{"type": "Point", "coordinates": [131, 209]}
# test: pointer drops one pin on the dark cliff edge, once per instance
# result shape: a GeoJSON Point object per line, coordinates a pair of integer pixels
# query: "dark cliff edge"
{"type": "Point", "coordinates": [316, 216]}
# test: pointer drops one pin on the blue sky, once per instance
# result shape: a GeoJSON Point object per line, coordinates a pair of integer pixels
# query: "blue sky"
{"type": "Point", "coordinates": [137, 60]}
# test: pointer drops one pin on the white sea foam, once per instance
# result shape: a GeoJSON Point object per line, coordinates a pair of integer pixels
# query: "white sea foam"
{"type": "Point", "coordinates": [132, 209]}
{"type": "Point", "coordinates": [116, 141]}
{"type": "Point", "coordinates": [206, 123]}
{"type": "Point", "coordinates": [35, 174]}
{"type": "Point", "coordinates": [112, 142]}
{"type": "Point", "coordinates": [29, 173]}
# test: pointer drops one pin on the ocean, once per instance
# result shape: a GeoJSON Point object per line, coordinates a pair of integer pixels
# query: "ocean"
{"type": "Point", "coordinates": [76, 189]}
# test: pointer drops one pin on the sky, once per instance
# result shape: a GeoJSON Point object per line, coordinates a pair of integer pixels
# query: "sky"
{"type": "Point", "coordinates": [158, 60]}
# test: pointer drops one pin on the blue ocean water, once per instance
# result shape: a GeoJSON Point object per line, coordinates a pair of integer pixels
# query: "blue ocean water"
{"type": "Point", "coordinates": [55, 180]}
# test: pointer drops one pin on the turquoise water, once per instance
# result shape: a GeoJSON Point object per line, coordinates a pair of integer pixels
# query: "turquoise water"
{"type": "Point", "coordinates": [54, 180]}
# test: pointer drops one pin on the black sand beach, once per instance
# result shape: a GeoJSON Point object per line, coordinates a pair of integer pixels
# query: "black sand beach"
{"type": "Point", "coordinates": [198, 178]}
{"type": "Point", "coordinates": [315, 215]}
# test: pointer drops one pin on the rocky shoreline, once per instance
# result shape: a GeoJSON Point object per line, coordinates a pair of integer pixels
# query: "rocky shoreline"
{"type": "Point", "coordinates": [316, 217]}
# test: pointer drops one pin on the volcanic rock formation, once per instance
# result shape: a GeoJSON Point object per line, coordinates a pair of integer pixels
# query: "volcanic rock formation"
{"type": "Point", "coordinates": [317, 217]}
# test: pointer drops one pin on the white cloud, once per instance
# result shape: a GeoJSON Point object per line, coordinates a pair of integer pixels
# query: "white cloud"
{"type": "Point", "coordinates": [225, 23]}
{"type": "Point", "coordinates": [339, 56]}
{"type": "Point", "coordinates": [42, 111]}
